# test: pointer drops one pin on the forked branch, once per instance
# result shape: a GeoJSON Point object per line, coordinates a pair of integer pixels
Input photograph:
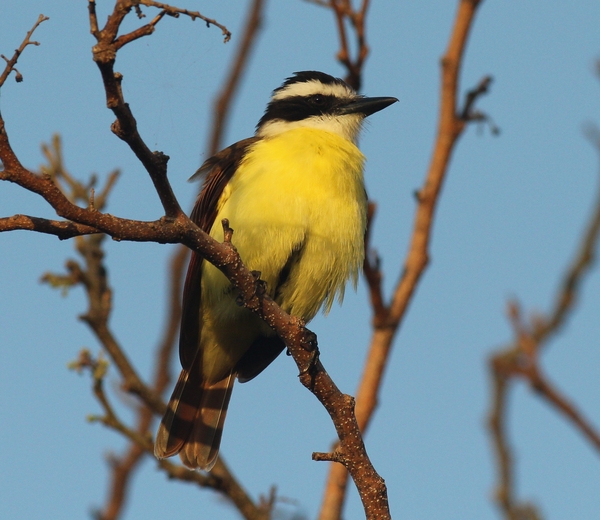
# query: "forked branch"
{"type": "Point", "coordinates": [347, 16]}
{"type": "Point", "coordinates": [521, 360]}
{"type": "Point", "coordinates": [10, 63]}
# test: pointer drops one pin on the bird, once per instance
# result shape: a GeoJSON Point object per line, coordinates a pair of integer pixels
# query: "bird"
{"type": "Point", "coordinates": [295, 198]}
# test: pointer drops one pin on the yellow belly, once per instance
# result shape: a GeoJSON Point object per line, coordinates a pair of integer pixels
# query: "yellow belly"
{"type": "Point", "coordinates": [299, 193]}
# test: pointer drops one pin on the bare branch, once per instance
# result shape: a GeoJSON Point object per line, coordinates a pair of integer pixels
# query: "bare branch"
{"type": "Point", "coordinates": [10, 64]}
{"type": "Point", "coordinates": [176, 11]}
{"type": "Point", "coordinates": [520, 359]}
{"type": "Point", "coordinates": [61, 228]}
{"type": "Point", "coordinates": [125, 126]}
{"type": "Point", "coordinates": [123, 7]}
{"type": "Point", "coordinates": [450, 128]}
{"type": "Point", "coordinates": [467, 113]}
{"type": "Point", "coordinates": [345, 13]}
{"type": "Point", "coordinates": [98, 368]}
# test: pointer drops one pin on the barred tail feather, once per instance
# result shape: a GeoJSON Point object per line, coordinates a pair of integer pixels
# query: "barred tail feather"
{"type": "Point", "coordinates": [176, 425]}
{"type": "Point", "coordinates": [202, 446]}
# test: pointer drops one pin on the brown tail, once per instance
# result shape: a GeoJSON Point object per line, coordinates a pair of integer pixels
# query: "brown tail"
{"type": "Point", "coordinates": [193, 423]}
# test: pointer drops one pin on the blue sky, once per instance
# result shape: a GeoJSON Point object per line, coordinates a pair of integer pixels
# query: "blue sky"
{"type": "Point", "coordinates": [511, 214]}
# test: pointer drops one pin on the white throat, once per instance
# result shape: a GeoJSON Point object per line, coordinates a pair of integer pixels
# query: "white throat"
{"type": "Point", "coordinates": [346, 126]}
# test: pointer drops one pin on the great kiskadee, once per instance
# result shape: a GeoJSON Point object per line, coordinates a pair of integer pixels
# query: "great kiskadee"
{"type": "Point", "coordinates": [295, 198]}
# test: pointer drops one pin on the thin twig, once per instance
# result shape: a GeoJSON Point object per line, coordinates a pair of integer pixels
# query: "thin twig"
{"type": "Point", "coordinates": [176, 11]}
{"type": "Point", "coordinates": [98, 368]}
{"type": "Point", "coordinates": [10, 64]}
{"type": "Point", "coordinates": [222, 105]}
{"type": "Point", "coordinates": [60, 228]}
{"type": "Point", "coordinates": [344, 12]}
{"type": "Point", "coordinates": [372, 272]}
{"type": "Point", "coordinates": [125, 126]}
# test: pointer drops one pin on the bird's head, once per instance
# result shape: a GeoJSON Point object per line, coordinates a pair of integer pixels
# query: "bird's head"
{"type": "Point", "coordinates": [317, 100]}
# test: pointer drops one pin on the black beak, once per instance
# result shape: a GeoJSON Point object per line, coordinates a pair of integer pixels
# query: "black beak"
{"type": "Point", "coordinates": [366, 105]}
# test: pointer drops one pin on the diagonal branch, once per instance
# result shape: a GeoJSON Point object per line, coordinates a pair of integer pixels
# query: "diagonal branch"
{"type": "Point", "coordinates": [299, 340]}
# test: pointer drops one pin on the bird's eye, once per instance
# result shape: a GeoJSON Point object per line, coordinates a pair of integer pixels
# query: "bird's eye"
{"type": "Point", "coordinates": [317, 100]}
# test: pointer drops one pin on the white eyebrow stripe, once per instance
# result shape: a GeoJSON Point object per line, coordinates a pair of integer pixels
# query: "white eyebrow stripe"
{"type": "Point", "coordinates": [309, 88]}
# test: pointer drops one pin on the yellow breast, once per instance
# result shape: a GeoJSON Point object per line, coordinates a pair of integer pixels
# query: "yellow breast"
{"type": "Point", "coordinates": [297, 195]}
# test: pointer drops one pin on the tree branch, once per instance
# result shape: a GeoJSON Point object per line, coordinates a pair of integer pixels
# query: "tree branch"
{"type": "Point", "coordinates": [10, 64]}
{"type": "Point", "coordinates": [345, 13]}
{"type": "Point", "coordinates": [217, 480]}
{"type": "Point", "coordinates": [387, 319]}
{"type": "Point", "coordinates": [61, 228]}
{"type": "Point", "coordinates": [520, 359]}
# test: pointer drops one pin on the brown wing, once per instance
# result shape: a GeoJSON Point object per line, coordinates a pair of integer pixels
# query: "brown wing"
{"type": "Point", "coordinates": [219, 168]}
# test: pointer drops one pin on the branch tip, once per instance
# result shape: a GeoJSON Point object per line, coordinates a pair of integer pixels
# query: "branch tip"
{"type": "Point", "coordinates": [10, 63]}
